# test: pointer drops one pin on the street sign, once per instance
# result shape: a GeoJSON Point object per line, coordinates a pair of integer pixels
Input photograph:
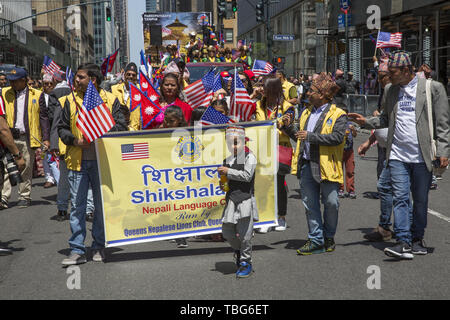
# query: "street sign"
{"type": "Point", "coordinates": [322, 32]}
{"type": "Point", "coordinates": [341, 21]}
{"type": "Point", "coordinates": [283, 37]}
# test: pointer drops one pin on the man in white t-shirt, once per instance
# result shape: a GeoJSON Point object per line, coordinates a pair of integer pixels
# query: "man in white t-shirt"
{"type": "Point", "coordinates": [408, 152]}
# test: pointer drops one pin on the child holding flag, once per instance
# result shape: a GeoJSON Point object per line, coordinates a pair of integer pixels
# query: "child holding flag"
{"type": "Point", "coordinates": [240, 211]}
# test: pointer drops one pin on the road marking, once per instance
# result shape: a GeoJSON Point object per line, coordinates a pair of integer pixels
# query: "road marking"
{"type": "Point", "coordinates": [437, 214]}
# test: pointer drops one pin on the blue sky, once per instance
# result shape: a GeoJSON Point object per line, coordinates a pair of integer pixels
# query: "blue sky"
{"type": "Point", "coordinates": [135, 10]}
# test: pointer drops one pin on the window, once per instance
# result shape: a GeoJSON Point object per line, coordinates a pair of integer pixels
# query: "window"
{"type": "Point", "coordinates": [228, 35]}
{"type": "Point", "coordinates": [33, 12]}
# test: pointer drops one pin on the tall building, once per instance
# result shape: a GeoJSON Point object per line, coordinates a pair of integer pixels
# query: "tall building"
{"type": "Point", "coordinates": [152, 5]}
{"type": "Point", "coordinates": [50, 27]}
{"type": "Point", "coordinates": [105, 35]}
{"type": "Point", "coordinates": [121, 20]}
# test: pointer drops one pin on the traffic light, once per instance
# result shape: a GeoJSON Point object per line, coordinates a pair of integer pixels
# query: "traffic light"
{"type": "Point", "coordinates": [279, 62]}
{"type": "Point", "coordinates": [108, 14]}
{"type": "Point", "coordinates": [260, 12]}
{"type": "Point", "coordinates": [221, 8]}
{"type": "Point", "coordinates": [234, 6]}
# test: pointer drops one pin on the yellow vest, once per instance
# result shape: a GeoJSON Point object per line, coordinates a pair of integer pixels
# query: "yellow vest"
{"type": "Point", "coordinates": [73, 154]}
{"type": "Point", "coordinates": [135, 116]}
{"type": "Point", "coordinates": [9, 96]}
{"type": "Point", "coordinates": [286, 88]}
{"type": "Point", "coordinates": [261, 115]}
{"type": "Point", "coordinates": [330, 156]}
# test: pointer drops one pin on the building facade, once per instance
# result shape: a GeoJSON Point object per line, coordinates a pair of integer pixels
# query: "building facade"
{"type": "Point", "coordinates": [121, 20]}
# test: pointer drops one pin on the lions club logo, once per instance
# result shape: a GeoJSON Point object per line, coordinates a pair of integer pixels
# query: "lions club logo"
{"type": "Point", "coordinates": [189, 149]}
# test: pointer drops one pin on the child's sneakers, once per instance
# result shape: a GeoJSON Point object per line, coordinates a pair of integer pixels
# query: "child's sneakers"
{"type": "Point", "coordinates": [352, 195]}
{"type": "Point", "coordinates": [244, 271]}
{"type": "Point", "coordinates": [341, 194]}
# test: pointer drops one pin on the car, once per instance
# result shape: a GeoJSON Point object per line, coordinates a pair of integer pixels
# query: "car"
{"type": "Point", "coordinates": [199, 69]}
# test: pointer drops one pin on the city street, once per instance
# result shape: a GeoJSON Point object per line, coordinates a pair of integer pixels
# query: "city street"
{"type": "Point", "coordinates": [206, 270]}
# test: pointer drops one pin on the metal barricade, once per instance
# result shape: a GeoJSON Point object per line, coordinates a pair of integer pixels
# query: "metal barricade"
{"type": "Point", "coordinates": [361, 103]}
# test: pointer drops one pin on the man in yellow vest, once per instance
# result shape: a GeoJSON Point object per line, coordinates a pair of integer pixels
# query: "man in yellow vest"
{"type": "Point", "coordinates": [289, 89]}
{"type": "Point", "coordinates": [122, 92]}
{"type": "Point", "coordinates": [27, 118]}
{"type": "Point", "coordinates": [318, 162]}
{"type": "Point", "coordinates": [81, 161]}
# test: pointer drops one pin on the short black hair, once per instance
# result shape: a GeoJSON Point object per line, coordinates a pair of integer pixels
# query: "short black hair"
{"type": "Point", "coordinates": [93, 70]}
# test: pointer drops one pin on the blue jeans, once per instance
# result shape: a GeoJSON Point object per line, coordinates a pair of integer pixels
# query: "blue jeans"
{"type": "Point", "coordinates": [406, 178]}
{"type": "Point", "coordinates": [312, 192]}
{"type": "Point", "coordinates": [384, 187]}
{"type": "Point", "coordinates": [63, 196]}
{"type": "Point", "coordinates": [79, 185]}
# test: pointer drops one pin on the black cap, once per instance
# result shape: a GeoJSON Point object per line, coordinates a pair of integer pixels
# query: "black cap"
{"type": "Point", "coordinates": [131, 67]}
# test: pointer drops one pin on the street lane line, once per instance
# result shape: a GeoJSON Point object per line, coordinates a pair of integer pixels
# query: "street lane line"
{"type": "Point", "coordinates": [437, 214]}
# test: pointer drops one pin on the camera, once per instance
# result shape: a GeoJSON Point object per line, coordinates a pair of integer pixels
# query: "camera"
{"type": "Point", "coordinates": [13, 171]}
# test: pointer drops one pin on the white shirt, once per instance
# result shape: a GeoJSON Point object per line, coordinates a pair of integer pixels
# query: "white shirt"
{"type": "Point", "coordinates": [20, 98]}
{"type": "Point", "coordinates": [405, 145]}
{"type": "Point", "coordinates": [126, 94]}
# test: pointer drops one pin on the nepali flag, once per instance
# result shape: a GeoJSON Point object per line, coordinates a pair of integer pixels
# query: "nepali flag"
{"type": "Point", "coordinates": [242, 107]}
{"type": "Point", "coordinates": [261, 67]}
{"type": "Point", "coordinates": [387, 40]}
{"type": "Point", "coordinates": [108, 63]}
{"type": "Point", "coordinates": [212, 116]}
{"type": "Point", "coordinates": [94, 118]}
{"type": "Point", "coordinates": [200, 92]}
{"type": "Point", "coordinates": [149, 110]}
{"type": "Point", "coordinates": [147, 87]}
{"type": "Point", "coordinates": [50, 66]}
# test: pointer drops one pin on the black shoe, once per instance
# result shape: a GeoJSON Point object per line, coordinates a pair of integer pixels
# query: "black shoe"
{"type": "Point", "coordinates": [90, 216]}
{"type": "Point", "coordinates": [3, 204]}
{"type": "Point", "coordinates": [401, 250]}
{"type": "Point", "coordinates": [418, 247]}
{"type": "Point", "coordinates": [61, 215]}
{"type": "Point", "coordinates": [237, 258]}
{"type": "Point", "coordinates": [181, 243]}
{"type": "Point", "coordinates": [23, 203]}
{"type": "Point", "coordinates": [330, 245]}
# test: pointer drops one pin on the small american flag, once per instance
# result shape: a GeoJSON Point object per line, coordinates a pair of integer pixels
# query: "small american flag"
{"type": "Point", "coordinates": [261, 67]}
{"type": "Point", "coordinates": [212, 116]}
{"type": "Point", "coordinates": [387, 40]}
{"type": "Point", "coordinates": [2, 106]}
{"type": "Point", "coordinates": [134, 151]}
{"type": "Point", "coordinates": [50, 66]}
{"type": "Point", "coordinates": [94, 118]}
{"type": "Point", "coordinates": [200, 92]}
{"type": "Point", "coordinates": [242, 107]}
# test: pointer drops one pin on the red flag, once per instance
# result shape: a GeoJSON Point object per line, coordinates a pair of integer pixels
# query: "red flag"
{"type": "Point", "coordinates": [108, 63]}
{"type": "Point", "coordinates": [149, 110]}
{"type": "Point", "coordinates": [94, 118]}
{"type": "Point", "coordinates": [147, 87]}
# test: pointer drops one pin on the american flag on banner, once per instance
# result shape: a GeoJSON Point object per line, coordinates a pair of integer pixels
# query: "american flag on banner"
{"type": "Point", "coordinates": [212, 116]}
{"type": "Point", "coordinates": [94, 118]}
{"type": "Point", "coordinates": [134, 151]}
{"type": "Point", "coordinates": [200, 92]}
{"type": "Point", "coordinates": [50, 66]}
{"type": "Point", "coordinates": [261, 67]}
{"type": "Point", "coordinates": [387, 40]}
{"type": "Point", "coordinates": [241, 106]}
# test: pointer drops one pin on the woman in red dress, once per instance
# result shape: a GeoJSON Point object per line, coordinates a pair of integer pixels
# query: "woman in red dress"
{"type": "Point", "coordinates": [170, 96]}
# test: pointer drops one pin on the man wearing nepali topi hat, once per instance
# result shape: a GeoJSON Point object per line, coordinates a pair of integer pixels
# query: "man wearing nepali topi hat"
{"type": "Point", "coordinates": [413, 124]}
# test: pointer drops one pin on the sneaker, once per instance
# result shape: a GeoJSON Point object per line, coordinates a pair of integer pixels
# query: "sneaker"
{"type": "Point", "coordinates": [310, 248]}
{"type": "Point", "coordinates": [281, 225]}
{"type": "Point", "coordinates": [419, 247]}
{"type": "Point", "coordinates": [329, 245]}
{"type": "Point", "coordinates": [237, 258]}
{"type": "Point", "coordinates": [74, 259]}
{"type": "Point", "coordinates": [379, 234]}
{"type": "Point", "coordinates": [48, 184]}
{"type": "Point", "coordinates": [98, 255]}
{"type": "Point", "coordinates": [263, 229]}
{"type": "Point", "coordinates": [3, 204]}
{"type": "Point", "coordinates": [401, 250]}
{"type": "Point", "coordinates": [433, 186]}
{"type": "Point", "coordinates": [23, 203]}
{"type": "Point", "coordinates": [181, 243]}
{"type": "Point", "coordinates": [4, 252]}
{"type": "Point", "coordinates": [244, 271]}
{"type": "Point", "coordinates": [352, 195]}
{"type": "Point", "coordinates": [341, 194]}
{"type": "Point", "coordinates": [62, 215]}
{"type": "Point", "coordinates": [438, 177]}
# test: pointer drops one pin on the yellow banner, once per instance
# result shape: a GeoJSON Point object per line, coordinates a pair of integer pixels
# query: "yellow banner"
{"type": "Point", "coordinates": [163, 184]}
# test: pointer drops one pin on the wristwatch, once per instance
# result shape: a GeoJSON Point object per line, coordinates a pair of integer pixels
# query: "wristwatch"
{"type": "Point", "coordinates": [17, 156]}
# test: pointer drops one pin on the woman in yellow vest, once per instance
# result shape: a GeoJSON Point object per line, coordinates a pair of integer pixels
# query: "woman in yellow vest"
{"type": "Point", "coordinates": [318, 162]}
{"type": "Point", "coordinates": [289, 89]}
{"type": "Point", "coordinates": [273, 106]}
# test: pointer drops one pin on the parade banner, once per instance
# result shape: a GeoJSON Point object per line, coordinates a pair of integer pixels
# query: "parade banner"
{"type": "Point", "coordinates": [163, 184]}
{"type": "Point", "coordinates": [175, 26]}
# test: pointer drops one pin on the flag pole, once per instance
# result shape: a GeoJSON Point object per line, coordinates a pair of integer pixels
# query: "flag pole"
{"type": "Point", "coordinates": [235, 75]}
{"type": "Point", "coordinates": [376, 43]}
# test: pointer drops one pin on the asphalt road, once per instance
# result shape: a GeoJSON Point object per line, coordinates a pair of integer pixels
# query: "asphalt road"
{"type": "Point", "coordinates": [205, 270]}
